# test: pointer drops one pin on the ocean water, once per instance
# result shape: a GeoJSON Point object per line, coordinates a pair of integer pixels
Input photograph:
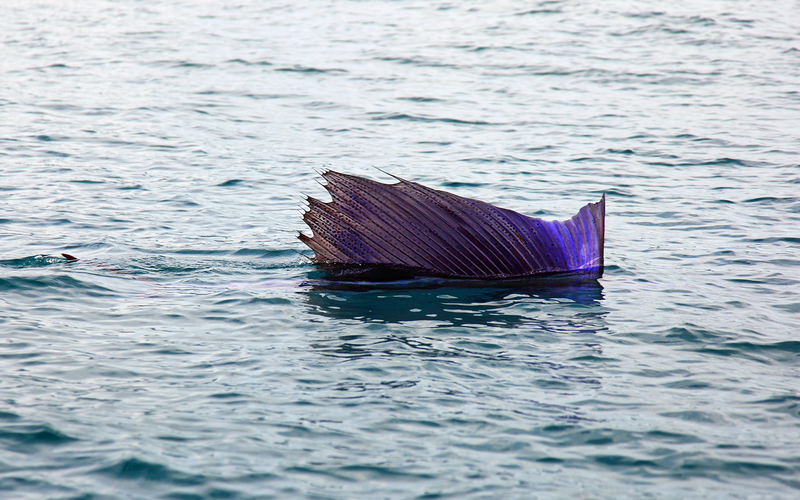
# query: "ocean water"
{"type": "Point", "coordinates": [193, 352]}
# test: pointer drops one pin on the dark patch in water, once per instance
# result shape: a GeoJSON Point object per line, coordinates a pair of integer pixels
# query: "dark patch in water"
{"type": "Point", "coordinates": [231, 182]}
{"type": "Point", "coordinates": [413, 118]}
{"type": "Point", "coordinates": [30, 438]}
{"type": "Point", "coordinates": [134, 469]}
{"type": "Point", "coordinates": [309, 70]}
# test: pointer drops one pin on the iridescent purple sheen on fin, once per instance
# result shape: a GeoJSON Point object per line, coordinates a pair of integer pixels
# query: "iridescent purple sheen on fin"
{"type": "Point", "coordinates": [435, 233]}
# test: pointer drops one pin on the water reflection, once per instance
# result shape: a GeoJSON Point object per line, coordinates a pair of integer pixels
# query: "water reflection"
{"type": "Point", "coordinates": [557, 302]}
{"type": "Point", "coordinates": [464, 322]}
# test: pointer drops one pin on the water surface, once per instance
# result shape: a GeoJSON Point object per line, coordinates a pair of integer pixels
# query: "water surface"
{"type": "Point", "coordinates": [192, 352]}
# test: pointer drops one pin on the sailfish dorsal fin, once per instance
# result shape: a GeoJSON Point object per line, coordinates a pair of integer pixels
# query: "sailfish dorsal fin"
{"type": "Point", "coordinates": [431, 232]}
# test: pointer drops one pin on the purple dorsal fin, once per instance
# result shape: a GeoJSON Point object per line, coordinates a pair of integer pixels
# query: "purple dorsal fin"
{"type": "Point", "coordinates": [430, 232]}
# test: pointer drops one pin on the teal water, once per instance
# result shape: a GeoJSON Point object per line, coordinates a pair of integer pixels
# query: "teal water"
{"type": "Point", "coordinates": [193, 353]}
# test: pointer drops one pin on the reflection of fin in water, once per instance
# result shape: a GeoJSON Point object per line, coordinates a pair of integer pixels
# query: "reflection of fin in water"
{"type": "Point", "coordinates": [462, 302]}
{"type": "Point", "coordinates": [407, 227]}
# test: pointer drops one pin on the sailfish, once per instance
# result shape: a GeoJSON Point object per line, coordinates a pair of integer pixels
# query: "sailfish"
{"type": "Point", "coordinates": [422, 231]}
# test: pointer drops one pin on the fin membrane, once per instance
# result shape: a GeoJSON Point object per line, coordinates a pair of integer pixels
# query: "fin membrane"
{"type": "Point", "coordinates": [429, 232]}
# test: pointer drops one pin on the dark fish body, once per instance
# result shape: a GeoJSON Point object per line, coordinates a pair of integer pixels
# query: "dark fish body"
{"type": "Point", "coordinates": [427, 232]}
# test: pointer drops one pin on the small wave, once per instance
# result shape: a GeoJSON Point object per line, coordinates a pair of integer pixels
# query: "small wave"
{"type": "Point", "coordinates": [30, 438]}
{"type": "Point", "coordinates": [791, 307]}
{"type": "Point", "coordinates": [187, 64]}
{"type": "Point", "coordinates": [619, 151]}
{"type": "Point", "coordinates": [362, 473]}
{"type": "Point", "coordinates": [785, 403]}
{"type": "Point", "coordinates": [769, 200]}
{"type": "Point", "coordinates": [309, 70]}
{"type": "Point", "coordinates": [33, 261]}
{"type": "Point", "coordinates": [134, 469]}
{"type": "Point", "coordinates": [539, 11]}
{"type": "Point", "coordinates": [230, 395]}
{"type": "Point", "coordinates": [775, 239]}
{"type": "Point", "coordinates": [622, 461]}
{"type": "Point", "coordinates": [764, 353]}
{"type": "Point", "coordinates": [732, 161]}
{"type": "Point", "coordinates": [690, 333]}
{"type": "Point", "coordinates": [86, 181]}
{"type": "Point", "coordinates": [21, 284]}
{"type": "Point", "coordinates": [250, 252]}
{"type": "Point", "coordinates": [266, 253]}
{"type": "Point", "coordinates": [454, 184]}
{"type": "Point", "coordinates": [789, 347]}
{"type": "Point", "coordinates": [416, 61]}
{"type": "Point", "coordinates": [231, 182]}
{"type": "Point", "coordinates": [421, 99]}
{"type": "Point", "coordinates": [416, 118]}
{"type": "Point", "coordinates": [249, 63]}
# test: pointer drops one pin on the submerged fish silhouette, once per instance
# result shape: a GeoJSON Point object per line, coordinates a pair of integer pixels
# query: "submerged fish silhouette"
{"type": "Point", "coordinates": [412, 228]}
